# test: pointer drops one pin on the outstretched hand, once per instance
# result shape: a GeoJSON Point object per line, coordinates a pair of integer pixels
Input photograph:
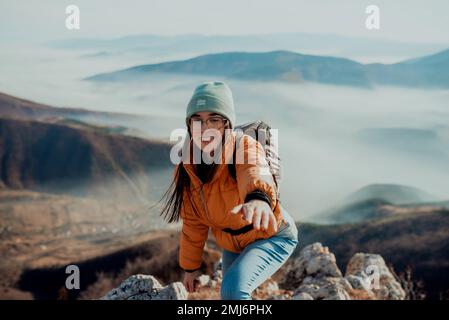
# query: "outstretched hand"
{"type": "Point", "coordinates": [258, 212]}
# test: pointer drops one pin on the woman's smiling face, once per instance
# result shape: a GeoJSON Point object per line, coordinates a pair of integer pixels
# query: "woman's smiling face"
{"type": "Point", "coordinates": [207, 128]}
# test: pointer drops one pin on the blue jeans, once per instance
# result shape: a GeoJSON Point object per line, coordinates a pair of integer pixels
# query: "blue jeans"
{"type": "Point", "coordinates": [243, 272]}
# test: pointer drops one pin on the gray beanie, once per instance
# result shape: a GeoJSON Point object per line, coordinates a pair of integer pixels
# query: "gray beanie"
{"type": "Point", "coordinates": [214, 96]}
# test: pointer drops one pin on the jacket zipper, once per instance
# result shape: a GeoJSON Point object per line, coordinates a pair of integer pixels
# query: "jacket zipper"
{"type": "Point", "coordinates": [234, 239]}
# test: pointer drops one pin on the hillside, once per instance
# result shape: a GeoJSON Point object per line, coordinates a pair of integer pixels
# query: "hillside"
{"type": "Point", "coordinates": [12, 107]}
{"type": "Point", "coordinates": [427, 71]}
{"type": "Point", "coordinates": [405, 237]}
{"type": "Point", "coordinates": [294, 67]}
{"type": "Point", "coordinates": [375, 200]}
{"type": "Point", "coordinates": [393, 193]}
{"type": "Point", "coordinates": [57, 158]}
{"type": "Point", "coordinates": [275, 65]}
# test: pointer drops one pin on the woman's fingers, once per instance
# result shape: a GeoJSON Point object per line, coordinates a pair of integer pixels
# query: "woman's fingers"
{"type": "Point", "coordinates": [257, 217]}
{"type": "Point", "coordinates": [265, 220]}
{"type": "Point", "coordinates": [196, 284]}
{"type": "Point", "coordinates": [188, 284]}
{"type": "Point", "coordinates": [257, 214]}
{"type": "Point", "coordinates": [274, 222]}
{"type": "Point", "coordinates": [249, 213]}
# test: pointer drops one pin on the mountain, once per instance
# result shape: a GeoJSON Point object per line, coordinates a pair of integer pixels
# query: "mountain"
{"type": "Point", "coordinates": [17, 108]}
{"type": "Point", "coordinates": [76, 151]}
{"type": "Point", "coordinates": [57, 158]}
{"type": "Point", "coordinates": [189, 45]}
{"type": "Point", "coordinates": [14, 107]}
{"type": "Point", "coordinates": [427, 71]}
{"type": "Point", "coordinates": [375, 200]}
{"type": "Point", "coordinates": [295, 67]}
{"type": "Point", "coordinates": [439, 58]}
{"type": "Point", "coordinates": [391, 193]}
{"type": "Point", "coordinates": [275, 65]}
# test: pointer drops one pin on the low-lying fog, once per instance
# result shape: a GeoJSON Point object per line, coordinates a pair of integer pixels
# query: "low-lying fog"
{"type": "Point", "coordinates": [333, 140]}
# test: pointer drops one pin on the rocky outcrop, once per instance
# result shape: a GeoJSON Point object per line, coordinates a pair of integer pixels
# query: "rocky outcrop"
{"type": "Point", "coordinates": [368, 272]}
{"type": "Point", "coordinates": [144, 287]}
{"type": "Point", "coordinates": [312, 275]}
{"type": "Point", "coordinates": [315, 274]}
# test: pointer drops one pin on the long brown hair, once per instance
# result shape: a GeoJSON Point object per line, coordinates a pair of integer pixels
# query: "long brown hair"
{"type": "Point", "coordinates": [173, 197]}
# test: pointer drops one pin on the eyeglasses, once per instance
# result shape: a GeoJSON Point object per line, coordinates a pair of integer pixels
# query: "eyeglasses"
{"type": "Point", "coordinates": [215, 122]}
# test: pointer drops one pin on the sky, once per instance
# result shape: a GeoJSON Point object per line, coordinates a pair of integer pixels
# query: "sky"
{"type": "Point", "coordinates": [43, 20]}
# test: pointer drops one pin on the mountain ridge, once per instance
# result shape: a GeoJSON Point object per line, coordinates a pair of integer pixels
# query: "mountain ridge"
{"type": "Point", "coordinates": [284, 65]}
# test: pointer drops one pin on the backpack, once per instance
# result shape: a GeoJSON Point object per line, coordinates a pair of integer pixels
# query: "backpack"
{"type": "Point", "coordinates": [261, 132]}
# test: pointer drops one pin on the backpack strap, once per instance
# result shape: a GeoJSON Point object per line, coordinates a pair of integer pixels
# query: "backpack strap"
{"type": "Point", "coordinates": [231, 166]}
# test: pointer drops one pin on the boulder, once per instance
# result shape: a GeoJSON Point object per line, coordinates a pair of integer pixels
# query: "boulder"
{"type": "Point", "coordinates": [146, 287]}
{"type": "Point", "coordinates": [314, 260]}
{"type": "Point", "coordinates": [369, 272]}
{"type": "Point", "coordinates": [325, 288]}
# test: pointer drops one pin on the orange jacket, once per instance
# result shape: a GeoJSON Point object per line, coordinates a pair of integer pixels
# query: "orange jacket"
{"type": "Point", "coordinates": [215, 199]}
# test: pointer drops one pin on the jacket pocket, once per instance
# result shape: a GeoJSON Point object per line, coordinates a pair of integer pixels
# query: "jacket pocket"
{"type": "Point", "coordinates": [249, 237]}
{"type": "Point", "coordinates": [226, 240]}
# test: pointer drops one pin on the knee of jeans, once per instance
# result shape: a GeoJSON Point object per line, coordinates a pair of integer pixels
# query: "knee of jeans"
{"type": "Point", "coordinates": [231, 291]}
{"type": "Point", "coordinates": [295, 241]}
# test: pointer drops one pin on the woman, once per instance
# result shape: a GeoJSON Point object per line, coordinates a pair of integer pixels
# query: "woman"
{"type": "Point", "coordinates": [244, 214]}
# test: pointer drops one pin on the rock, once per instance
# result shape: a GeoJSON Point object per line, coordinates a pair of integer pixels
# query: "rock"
{"type": "Point", "coordinates": [268, 290]}
{"type": "Point", "coordinates": [270, 287]}
{"type": "Point", "coordinates": [302, 296]}
{"type": "Point", "coordinates": [314, 260]}
{"type": "Point", "coordinates": [218, 276]}
{"type": "Point", "coordinates": [370, 273]}
{"type": "Point", "coordinates": [146, 287]}
{"type": "Point", "coordinates": [325, 288]}
{"type": "Point", "coordinates": [205, 280]}
{"type": "Point", "coordinates": [218, 272]}
{"type": "Point", "coordinates": [358, 283]}
{"type": "Point", "coordinates": [316, 275]}
{"type": "Point", "coordinates": [281, 296]}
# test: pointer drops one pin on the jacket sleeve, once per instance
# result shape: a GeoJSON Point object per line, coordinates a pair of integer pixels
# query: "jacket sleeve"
{"type": "Point", "coordinates": [192, 240]}
{"type": "Point", "coordinates": [252, 170]}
